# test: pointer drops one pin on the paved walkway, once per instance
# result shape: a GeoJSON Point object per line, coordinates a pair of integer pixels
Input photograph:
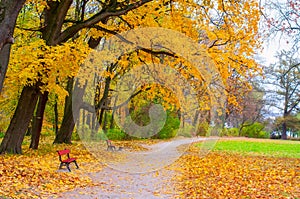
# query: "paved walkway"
{"type": "Point", "coordinates": [142, 176]}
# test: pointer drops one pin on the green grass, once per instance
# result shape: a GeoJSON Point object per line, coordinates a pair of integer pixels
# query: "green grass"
{"type": "Point", "coordinates": [278, 148]}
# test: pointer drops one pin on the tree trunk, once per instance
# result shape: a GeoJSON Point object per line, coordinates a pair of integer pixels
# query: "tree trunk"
{"type": "Point", "coordinates": [104, 100]}
{"type": "Point", "coordinates": [38, 121]}
{"type": "Point", "coordinates": [9, 11]}
{"type": "Point", "coordinates": [56, 115]}
{"type": "Point", "coordinates": [112, 121]}
{"type": "Point", "coordinates": [284, 129]}
{"type": "Point", "coordinates": [71, 113]}
{"type": "Point", "coordinates": [4, 59]}
{"type": "Point", "coordinates": [16, 131]}
{"type": "Point", "coordinates": [67, 126]}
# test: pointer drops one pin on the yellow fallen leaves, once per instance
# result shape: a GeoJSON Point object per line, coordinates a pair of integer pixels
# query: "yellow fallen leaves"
{"type": "Point", "coordinates": [223, 175]}
{"type": "Point", "coordinates": [35, 174]}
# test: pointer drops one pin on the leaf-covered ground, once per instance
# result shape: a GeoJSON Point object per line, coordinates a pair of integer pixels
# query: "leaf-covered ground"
{"type": "Point", "coordinates": [218, 174]}
{"type": "Point", "coordinates": [35, 174]}
{"type": "Point", "coordinates": [232, 175]}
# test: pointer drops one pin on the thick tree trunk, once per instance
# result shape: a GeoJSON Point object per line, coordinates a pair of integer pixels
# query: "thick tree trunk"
{"type": "Point", "coordinates": [9, 11]}
{"type": "Point", "coordinates": [38, 121]}
{"type": "Point", "coordinates": [16, 131]}
{"type": "Point", "coordinates": [71, 113]}
{"type": "Point", "coordinates": [65, 132]}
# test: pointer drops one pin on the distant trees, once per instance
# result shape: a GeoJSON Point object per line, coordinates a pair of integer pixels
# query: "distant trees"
{"type": "Point", "coordinates": [282, 18]}
{"type": "Point", "coordinates": [283, 87]}
{"type": "Point", "coordinates": [282, 21]}
{"type": "Point", "coordinates": [249, 111]}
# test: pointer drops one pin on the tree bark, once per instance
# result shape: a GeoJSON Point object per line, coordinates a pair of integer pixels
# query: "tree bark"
{"type": "Point", "coordinates": [284, 129]}
{"type": "Point", "coordinates": [4, 60]}
{"type": "Point", "coordinates": [70, 113]}
{"type": "Point", "coordinates": [56, 115]}
{"type": "Point", "coordinates": [64, 134]}
{"type": "Point", "coordinates": [16, 131]}
{"type": "Point", "coordinates": [38, 121]}
{"type": "Point", "coordinates": [9, 11]}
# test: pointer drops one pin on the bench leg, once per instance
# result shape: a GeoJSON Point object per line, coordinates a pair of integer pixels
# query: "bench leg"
{"type": "Point", "coordinates": [61, 165]}
{"type": "Point", "coordinates": [76, 164]}
{"type": "Point", "coordinates": [111, 148]}
{"type": "Point", "coordinates": [68, 167]}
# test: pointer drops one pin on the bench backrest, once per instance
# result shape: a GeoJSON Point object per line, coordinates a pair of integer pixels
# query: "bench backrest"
{"type": "Point", "coordinates": [63, 152]}
{"type": "Point", "coordinates": [108, 142]}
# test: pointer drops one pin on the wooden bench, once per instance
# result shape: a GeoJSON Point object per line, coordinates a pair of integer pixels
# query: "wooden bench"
{"type": "Point", "coordinates": [66, 162]}
{"type": "Point", "coordinates": [111, 147]}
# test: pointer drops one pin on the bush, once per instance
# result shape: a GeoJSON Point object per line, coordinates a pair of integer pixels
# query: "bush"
{"type": "Point", "coordinates": [254, 131]}
{"type": "Point", "coordinates": [2, 135]}
{"type": "Point", "coordinates": [203, 129]}
{"type": "Point", "coordinates": [115, 134]}
{"type": "Point", "coordinates": [100, 135]}
{"type": "Point", "coordinates": [186, 131]}
{"type": "Point", "coordinates": [234, 132]}
{"type": "Point", "coordinates": [231, 132]}
{"type": "Point", "coordinates": [170, 128]}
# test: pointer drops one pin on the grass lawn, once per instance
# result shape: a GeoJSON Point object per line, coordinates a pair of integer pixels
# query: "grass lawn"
{"type": "Point", "coordinates": [277, 148]}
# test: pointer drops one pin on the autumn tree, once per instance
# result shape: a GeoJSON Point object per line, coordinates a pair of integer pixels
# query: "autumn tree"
{"type": "Point", "coordinates": [250, 109]}
{"type": "Point", "coordinates": [216, 35]}
{"type": "Point", "coordinates": [283, 86]}
{"type": "Point", "coordinates": [226, 30]}
{"type": "Point", "coordinates": [58, 28]}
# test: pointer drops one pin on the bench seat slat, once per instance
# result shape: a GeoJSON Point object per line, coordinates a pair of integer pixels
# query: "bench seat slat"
{"type": "Point", "coordinates": [69, 160]}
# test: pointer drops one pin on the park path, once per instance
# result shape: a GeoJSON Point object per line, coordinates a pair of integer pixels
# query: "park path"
{"type": "Point", "coordinates": [142, 176]}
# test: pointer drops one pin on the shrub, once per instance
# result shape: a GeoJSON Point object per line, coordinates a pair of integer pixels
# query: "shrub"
{"type": "Point", "coordinates": [100, 135]}
{"type": "Point", "coordinates": [231, 132]}
{"type": "Point", "coordinates": [234, 132]}
{"type": "Point", "coordinates": [170, 128]}
{"type": "Point", "coordinates": [254, 131]}
{"type": "Point", "coordinates": [2, 135]}
{"type": "Point", "coordinates": [115, 134]}
{"type": "Point", "coordinates": [186, 131]}
{"type": "Point", "coordinates": [203, 129]}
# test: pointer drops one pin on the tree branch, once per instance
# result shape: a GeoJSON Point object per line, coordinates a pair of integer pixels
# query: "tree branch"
{"type": "Point", "coordinates": [102, 15]}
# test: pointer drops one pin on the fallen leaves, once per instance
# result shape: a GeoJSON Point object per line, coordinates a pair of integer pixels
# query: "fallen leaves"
{"type": "Point", "coordinates": [35, 174]}
{"type": "Point", "coordinates": [198, 174]}
{"type": "Point", "coordinates": [227, 175]}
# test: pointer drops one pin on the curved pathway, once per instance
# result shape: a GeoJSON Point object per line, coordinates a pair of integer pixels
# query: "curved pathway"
{"type": "Point", "coordinates": [142, 176]}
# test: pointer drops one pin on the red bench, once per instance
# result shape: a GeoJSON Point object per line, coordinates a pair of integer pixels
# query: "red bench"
{"type": "Point", "coordinates": [66, 162]}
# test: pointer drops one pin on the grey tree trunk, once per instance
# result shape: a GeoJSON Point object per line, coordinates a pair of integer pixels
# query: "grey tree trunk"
{"type": "Point", "coordinates": [70, 114]}
{"type": "Point", "coordinates": [9, 11]}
